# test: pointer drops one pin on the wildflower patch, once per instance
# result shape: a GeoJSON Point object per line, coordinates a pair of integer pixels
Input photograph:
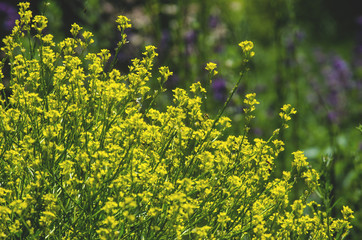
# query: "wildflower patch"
{"type": "Point", "coordinates": [83, 155]}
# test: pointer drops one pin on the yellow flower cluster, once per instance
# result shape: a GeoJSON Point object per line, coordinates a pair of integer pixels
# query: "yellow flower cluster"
{"type": "Point", "coordinates": [250, 103]}
{"type": "Point", "coordinates": [211, 67]}
{"type": "Point", "coordinates": [39, 23]}
{"type": "Point", "coordinates": [287, 110]}
{"type": "Point", "coordinates": [84, 156]}
{"type": "Point", "coordinates": [123, 24]}
{"type": "Point", "coordinates": [246, 47]}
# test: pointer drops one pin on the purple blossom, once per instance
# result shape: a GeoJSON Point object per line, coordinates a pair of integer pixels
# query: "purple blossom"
{"type": "Point", "coordinates": [190, 40]}
{"type": "Point", "coordinates": [337, 81]}
{"type": "Point", "coordinates": [219, 89]}
{"type": "Point", "coordinates": [333, 98]}
{"type": "Point", "coordinates": [340, 65]}
{"type": "Point", "coordinates": [290, 45]}
{"type": "Point", "coordinates": [165, 40]}
{"type": "Point", "coordinates": [342, 72]}
{"type": "Point", "coordinates": [293, 40]}
{"type": "Point", "coordinates": [336, 71]}
{"type": "Point", "coordinates": [10, 15]}
{"type": "Point", "coordinates": [300, 35]}
{"type": "Point", "coordinates": [258, 132]}
{"type": "Point", "coordinates": [213, 21]}
{"type": "Point", "coordinates": [333, 116]}
{"type": "Point", "coordinates": [191, 37]}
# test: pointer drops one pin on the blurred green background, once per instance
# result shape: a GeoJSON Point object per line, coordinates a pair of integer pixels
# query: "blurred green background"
{"type": "Point", "coordinates": [308, 54]}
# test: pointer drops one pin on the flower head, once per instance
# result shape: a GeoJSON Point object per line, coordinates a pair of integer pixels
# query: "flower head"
{"type": "Point", "coordinates": [211, 67]}
{"type": "Point", "coordinates": [246, 47]}
{"type": "Point", "coordinates": [39, 23]}
{"type": "Point", "coordinates": [123, 23]}
{"type": "Point", "coordinates": [287, 110]}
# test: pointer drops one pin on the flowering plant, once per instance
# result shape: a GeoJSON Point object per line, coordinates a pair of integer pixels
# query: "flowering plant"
{"type": "Point", "coordinates": [83, 155]}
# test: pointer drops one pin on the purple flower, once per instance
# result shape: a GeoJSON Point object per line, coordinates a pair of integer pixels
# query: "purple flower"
{"type": "Point", "coordinates": [300, 35]}
{"type": "Point", "coordinates": [337, 73]}
{"type": "Point", "coordinates": [337, 81]}
{"type": "Point", "coordinates": [333, 98]}
{"type": "Point", "coordinates": [258, 132]}
{"type": "Point", "coordinates": [340, 64]}
{"type": "Point", "coordinates": [165, 40]}
{"type": "Point", "coordinates": [10, 15]}
{"type": "Point", "coordinates": [343, 71]}
{"type": "Point", "coordinates": [293, 40]}
{"type": "Point", "coordinates": [190, 40]}
{"type": "Point", "coordinates": [213, 21]}
{"type": "Point", "coordinates": [219, 89]}
{"type": "Point", "coordinates": [333, 116]}
{"type": "Point", "coordinates": [191, 37]}
{"type": "Point", "coordinates": [290, 45]}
